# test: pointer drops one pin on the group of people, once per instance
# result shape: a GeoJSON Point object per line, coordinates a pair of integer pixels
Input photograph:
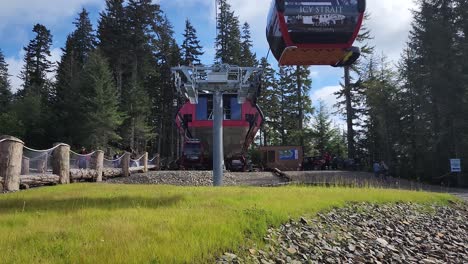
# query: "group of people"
{"type": "Point", "coordinates": [324, 162]}
{"type": "Point", "coordinates": [380, 169]}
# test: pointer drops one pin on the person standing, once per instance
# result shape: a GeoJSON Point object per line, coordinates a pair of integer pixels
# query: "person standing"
{"type": "Point", "coordinates": [82, 160]}
{"type": "Point", "coordinates": [376, 168]}
{"type": "Point", "coordinates": [383, 169]}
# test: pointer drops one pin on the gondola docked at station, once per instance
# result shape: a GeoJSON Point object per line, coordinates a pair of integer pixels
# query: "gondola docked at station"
{"type": "Point", "coordinates": [315, 32]}
{"type": "Point", "coordinates": [241, 123]}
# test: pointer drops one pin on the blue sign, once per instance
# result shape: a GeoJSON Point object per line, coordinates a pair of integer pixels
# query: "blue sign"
{"type": "Point", "coordinates": [455, 165]}
{"type": "Point", "coordinates": [292, 154]}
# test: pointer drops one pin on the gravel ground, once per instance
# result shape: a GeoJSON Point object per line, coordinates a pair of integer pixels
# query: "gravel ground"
{"type": "Point", "coordinates": [364, 233]}
{"type": "Point", "coordinates": [199, 178]}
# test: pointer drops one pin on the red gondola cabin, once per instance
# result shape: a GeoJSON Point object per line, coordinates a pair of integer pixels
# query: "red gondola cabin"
{"type": "Point", "coordinates": [315, 32]}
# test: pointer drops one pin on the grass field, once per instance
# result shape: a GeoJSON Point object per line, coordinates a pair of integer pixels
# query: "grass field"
{"type": "Point", "coordinates": [100, 223]}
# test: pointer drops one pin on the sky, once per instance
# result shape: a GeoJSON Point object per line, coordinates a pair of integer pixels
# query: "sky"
{"type": "Point", "coordinates": [389, 24]}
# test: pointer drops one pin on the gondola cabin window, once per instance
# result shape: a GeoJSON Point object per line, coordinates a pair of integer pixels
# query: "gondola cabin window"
{"type": "Point", "coordinates": [232, 109]}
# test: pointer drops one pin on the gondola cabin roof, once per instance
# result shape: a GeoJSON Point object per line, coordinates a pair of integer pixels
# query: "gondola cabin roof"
{"type": "Point", "coordinates": [315, 32]}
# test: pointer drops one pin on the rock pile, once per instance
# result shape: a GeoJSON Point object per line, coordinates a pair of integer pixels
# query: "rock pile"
{"type": "Point", "coordinates": [363, 233]}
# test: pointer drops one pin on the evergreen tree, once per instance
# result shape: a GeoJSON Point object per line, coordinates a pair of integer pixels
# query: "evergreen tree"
{"type": "Point", "coordinates": [32, 108]}
{"type": "Point", "coordinates": [84, 37]}
{"type": "Point", "coordinates": [299, 105]}
{"type": "Point", "coordinates": [228, 40]}
{"type": "Point", "coordinates": [141, 16]}
{"type": "Point", "coordinates": [269, 100]}
{"type": "Point", "coordinates": [99, 103]}
{"type": "Point", "coordinates": [347, 105]}
{"type": "Point", "coordinates": [5, 92]}
{"type": "Point", "coordinates": [37, 64]}
{"type": "Point", "coordinates": [191, 49]}
{"type": "Point", "coordinates": [248, 58]}
{"type": "Point", "coordinates": [322, 130]}
{"type": "Point", "coordinates": [113, 38]}
{"type": "Point", "coordinates": [295, 106]}
{"type": "Point", "coordinates": [325, 137]}
{"type": "Point", "coordinates": [67, 106]}
{"type": "Point", "coordinates": [434, 46]}
{"type": "Point", "coordinates": [381, 125]}
{"type": "Point", "coordinates": [168, 54]}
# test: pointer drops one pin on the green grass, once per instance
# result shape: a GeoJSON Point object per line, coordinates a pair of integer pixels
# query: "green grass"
{"type": "Point", "coordinates": [100, 223]}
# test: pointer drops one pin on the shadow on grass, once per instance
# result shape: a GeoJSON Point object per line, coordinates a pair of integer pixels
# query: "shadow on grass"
{"type": "Point", "coordinates": [74, 204]}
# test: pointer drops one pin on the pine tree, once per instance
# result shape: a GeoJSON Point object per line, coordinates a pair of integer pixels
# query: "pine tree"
{"type": "Point", "coordinates": [164, 94]}
{"type": "Point", "coordinates": [248, 58]}
{"type": "Point", "coordinates": [99, 103]}
{"type": "Point", "coordinates": [269, 101]}
{"type": "Point", "coordinates": [228, 40]}
{"type": "Point", "coordinates": [5, 91]}
{"type": "Point", "coordinates": [299, 105]}
{"type": "Point", "coordinates": [141, 16]}
{"type": "Point", "coordinates": [322, 130]}
{"type": "Point", "coordinates": [84, 37]}
{"type": "Point", "coordinates": [32, 107]}
{"type": "Point", "coordinates": [37, 64]}
{"type": "Point", "coordinates": [435, 49]}
{"type": "Point", "coordinates": [113, 39]}
{"type": "Point", "coordinates": [191, 49]}
{"type": "Point", "coordinates": [349, 89]}
{"type": "Point", "coordinates": [67, 99]}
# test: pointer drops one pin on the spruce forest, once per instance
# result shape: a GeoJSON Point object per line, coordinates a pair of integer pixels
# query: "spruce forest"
{"type": "Point", "coordinates": [113, 89]}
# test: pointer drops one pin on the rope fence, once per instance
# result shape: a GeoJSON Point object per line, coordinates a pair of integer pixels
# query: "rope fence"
{"type": "Point", "coordinates": [134, 163]}
{"type": "Point", "coordinates": [37, 161]}
{"type": "Point", "coordinates": [60, 165]}
{"type": "Point", "coordinates": [113, 163]}
{"type": "Point", "coordinates": [81, 161]}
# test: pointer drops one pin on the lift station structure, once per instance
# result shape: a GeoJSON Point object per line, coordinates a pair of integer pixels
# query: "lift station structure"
{"type": "Point", "coordinates": [216, 80]}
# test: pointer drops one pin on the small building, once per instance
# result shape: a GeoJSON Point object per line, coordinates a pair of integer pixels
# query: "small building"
{"type": "Point", "coordinates": [285, 158]}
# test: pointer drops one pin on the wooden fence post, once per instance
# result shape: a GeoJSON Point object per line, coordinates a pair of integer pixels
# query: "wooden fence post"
{"type": "Point", "coordinates": [145, 162]}
{"type": "Point", "coordinates": [25, 166]}
{"type": "Point", "coordinates": [61, 162]}
{"type": "Point", "coordinates": [11, 156]}
{"type": "Point", "coordinates": [126, 165]}
{"type": "Point", "coordinates": [99, 164]}
{"type": "Point", "coordinates": [158, 162]}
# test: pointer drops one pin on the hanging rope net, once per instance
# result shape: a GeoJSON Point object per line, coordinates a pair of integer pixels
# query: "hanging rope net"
{"type": "Point", "coordinates": [113, 163]}
{"type": "Point", "coordinates": [81, 161]}
{"type": "Point", "coordinates": [135, 163]}
{"type": "Point", "coordinates": [153, 161]}
{"type": "Point", "coordinates": [37, 162]}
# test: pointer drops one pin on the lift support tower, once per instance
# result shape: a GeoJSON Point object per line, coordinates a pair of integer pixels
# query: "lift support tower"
{"type": "Point", "coordinates": [191, 81]}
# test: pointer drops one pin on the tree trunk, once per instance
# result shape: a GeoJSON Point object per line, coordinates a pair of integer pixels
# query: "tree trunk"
{"type": "Point", "coordinates": [145, 162]}
{"type": "Point", "coordinates": [25, 166]}
{"type": "Point", "coordinates": [99, 164]}
{"type": "Point", "coordinates": [300, 106]}
{"type": "Point", "coordinates": [40, 179]}
{"type": "Point", "coordinates": [83, 174]}
{"type": "Point", "coordinates": [126, 165]}
{"type": "Point", "coordinates": [11, 154]}
{"type": "Point", "coordinates": [349, 114]}
{"type": "Point", "coordinates": [61, 163]}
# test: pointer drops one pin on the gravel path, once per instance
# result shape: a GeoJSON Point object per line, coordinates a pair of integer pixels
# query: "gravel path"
{"type": "Point", "coordinates": [199, 178]}
{"type": "Point", "coordinates": [363, 233]}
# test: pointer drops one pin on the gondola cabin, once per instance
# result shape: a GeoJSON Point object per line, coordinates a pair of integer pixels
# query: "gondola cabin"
{"type": "Point", "coordinates": [240, 126]}
{"type": "Point", "coordinates": [315, 32]}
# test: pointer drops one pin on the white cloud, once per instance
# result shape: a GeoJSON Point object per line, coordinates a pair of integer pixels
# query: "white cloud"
{"type": "Point", "coordinates": [15, 65]}
{"type": "Point", "coordinates": [34, 11]}
{"type": "Point", "coordinates": [390, 23]}
{"type": "Point", "coordinates": [326, 94]}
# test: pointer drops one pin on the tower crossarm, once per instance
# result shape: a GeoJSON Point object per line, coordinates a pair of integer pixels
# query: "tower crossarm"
{"type": "Point", "coordinates": [193, 80]}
